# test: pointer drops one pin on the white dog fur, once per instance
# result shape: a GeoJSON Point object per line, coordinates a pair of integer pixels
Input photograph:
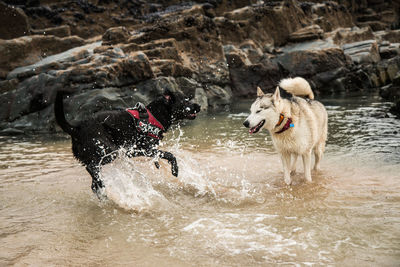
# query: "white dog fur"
{"type": "Point", "coordinates": [300, 131]}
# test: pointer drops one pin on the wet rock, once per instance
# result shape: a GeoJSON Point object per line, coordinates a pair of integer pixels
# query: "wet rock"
{"type": "Point", "coordinates": [96, 71]}
{"type": "Point", "coordinates": [30, 49]}
{"type": "Point", "coordinates": [330, 81]}
{"type": "Point", "coordinates": [8, 85]}
{"type": "Point", "coordinates": [391, 36]}
{"type": "Point", "coordinates": [388, 50]}
{"type": "Point", "coordinates": [200, 97]}
{"type": "Point", "coordinates": [54, 63]}
{"type": "Point", "coordinates": [88, 7]}
{"type": "Point", "coordinates": [41, 11]}
{"type": "Point", "coordinates": [60, 31]}
{"type": "Point", "coordinates": [306, 34]}
{"type": "Point", "coordinates": [329, 15]}
{"type": "Point", "coordinates": [374, 25]}
{"type": "Point", "coordinates": [387, 70]}
{"type": "Point", "coordinates": [393, 67]}
{"type": "Point", "coordinates": [307, 63]}
{"type": "Point", "coordinates": [395, 109]}
{"type": "Point", "coordinates": [30, 96]}
{"type": "Point", "coordinates": [390, 92]}
{"type": "Point", "coordinates": [115, 35]}
{"type": "Point", "coordinates": [363, 52]}
{"type": "Point", "coordinates": [169, 67]}
{"type": "Point", "coordinates": [245, 76]}
{"type": "Point", "coordinates": [115, 70]}
{"type": "Point", "coordinates": [267, 23]}
{"type": "Point", "coordinates": [351, 35]}
{"type": "Point", "coordinates": [188, 86]}
{"type": "Point", "coordinates": [218, 96]}
{"type": "Point", "coordinates": [11, 132]}
{"type": "Point", "coordinates": [81, 106]}
{"type": "Point", "coordinates": [13, 22]}
{"type": "Point", "coordinates": [39, 121]}
{"type": "Point", "coordinates": [358, 80]}
{"type": "Point", "coordinates": [211, 51]}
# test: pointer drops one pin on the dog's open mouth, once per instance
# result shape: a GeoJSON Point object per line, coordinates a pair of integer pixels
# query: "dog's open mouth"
{"type": "Point", "coordinates": [256, 128]}
{"type": "Point", "coordinates": [191, 116]}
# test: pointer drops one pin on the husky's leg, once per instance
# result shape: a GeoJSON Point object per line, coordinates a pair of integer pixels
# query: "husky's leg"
{"type": "Point", "coordinates": [285, 157]}
{"type": "Point", "coordinates": [307, 165]}
{"type": "Point", "coordinates": [318, 152]}
{"type": "Point", "coordinates": [293, 163]}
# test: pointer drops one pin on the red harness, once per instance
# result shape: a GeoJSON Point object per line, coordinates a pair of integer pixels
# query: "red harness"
{"type": "Point", "coordinates": [147, 124]}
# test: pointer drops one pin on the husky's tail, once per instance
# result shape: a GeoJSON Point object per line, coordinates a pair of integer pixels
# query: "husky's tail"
{"type": "Point", "coordinates": [59, 113]}
{"type": "Point", "coordinates": [297, 86]}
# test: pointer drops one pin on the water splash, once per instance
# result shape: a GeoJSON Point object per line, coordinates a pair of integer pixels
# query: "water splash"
{"type": "Point", "coordinates": [135, 183]}
{"type": "Point", "coordinates": [129, 187]}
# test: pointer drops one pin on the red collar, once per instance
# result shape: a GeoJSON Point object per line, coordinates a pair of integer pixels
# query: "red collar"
{"type": "Point", "coordinates": [287, 125]}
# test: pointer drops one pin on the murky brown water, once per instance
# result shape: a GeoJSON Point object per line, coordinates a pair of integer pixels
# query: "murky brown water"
{"type": "Point", "coordinates": [228, 207]}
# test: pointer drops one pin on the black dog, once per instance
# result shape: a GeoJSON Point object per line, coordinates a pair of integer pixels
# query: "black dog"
{"type": "Point", "coordinates": [96, 141]}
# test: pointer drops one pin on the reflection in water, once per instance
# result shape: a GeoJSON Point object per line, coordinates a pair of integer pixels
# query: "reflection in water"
{"type": "Point", "coordinates": [228, 207]}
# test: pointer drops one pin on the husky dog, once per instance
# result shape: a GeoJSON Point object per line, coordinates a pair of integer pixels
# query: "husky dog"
{"type": "Point", "coordinates": [298, 124]}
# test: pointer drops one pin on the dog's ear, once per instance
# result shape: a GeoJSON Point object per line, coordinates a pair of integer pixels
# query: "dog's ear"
{"type": "Point", "coordinates": [277, 94]}
{"type": "Point", "coordinates": [260, 93]}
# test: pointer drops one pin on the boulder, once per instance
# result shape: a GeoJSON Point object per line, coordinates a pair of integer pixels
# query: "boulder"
{"type": "Point", "coordinates": [363, 52]}
{"type": "Point", "coordinates": [13, 22]}
{"type": "Point", "coordinates": [307, 63]}
{"type": "Point", "coordinates": [390, 92]}
{"type": "Point", "coordinates": [59, 31]}
{"type": "Point", "coordinates": [329, 15]}
{"type": "Point", "coordinates": [218, 96]}
{"type": "Point", "coordinates": [115, 35]}
{"type": "Point", "coordinates": [30, 96]}
{"type": "Point", "coordinates": [262, 24]}
{"type": "Point", "coordinates": [393, 67]}
{"type": "Point", "coordinates": [395, 109]}
{"type": "Point", "coordinates": [350, 35]}
{"type": "Point", "coordinates": [388, 50]}
{"type": "Point", "coordinates": [306, 34]}
{"type": "Point", "coordinates": [245, 77]}
{"type": "Point", "coordinates": [37, 92]}
{"type": "Point", "coordinates": [30, 49]}
{"type": "Point", "coordinates": [392, 36]}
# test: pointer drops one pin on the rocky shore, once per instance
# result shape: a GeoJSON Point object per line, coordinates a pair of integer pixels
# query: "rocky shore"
{"type": "Point", "coordinates": [114, 53]}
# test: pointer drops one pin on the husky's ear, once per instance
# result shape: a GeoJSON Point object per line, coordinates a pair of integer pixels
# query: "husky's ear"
{"type": "Point", "coordinates": [260, 93]}
{"type": "Point", "coordinates": [277, 94]}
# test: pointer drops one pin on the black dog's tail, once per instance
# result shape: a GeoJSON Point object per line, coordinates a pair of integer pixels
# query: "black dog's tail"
{"type": "Point", "coordinates": [59, 113]}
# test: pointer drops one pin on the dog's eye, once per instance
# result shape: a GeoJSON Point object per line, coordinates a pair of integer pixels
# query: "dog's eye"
{"type": "Point", "coordinates": [258, 111]}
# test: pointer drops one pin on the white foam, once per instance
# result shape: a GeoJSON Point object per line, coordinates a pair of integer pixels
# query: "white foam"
{"type": "Point", "coordinates": [130, 188]}
{"type": "Point", "coordinates": [238, 235]}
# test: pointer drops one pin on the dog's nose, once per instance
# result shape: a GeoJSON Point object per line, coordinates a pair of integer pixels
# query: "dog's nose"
{"type": "Point", "coordinates": [246, 124]}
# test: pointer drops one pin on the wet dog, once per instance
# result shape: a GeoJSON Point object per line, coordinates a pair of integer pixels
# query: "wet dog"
{"type": "Point", "coordinates": [96, 141]}
{"type": "Point", "coordinates": [298, 124]}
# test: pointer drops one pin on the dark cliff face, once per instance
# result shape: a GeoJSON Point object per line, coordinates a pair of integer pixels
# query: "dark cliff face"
{"type": "Point", "coordinates": [114, 53]}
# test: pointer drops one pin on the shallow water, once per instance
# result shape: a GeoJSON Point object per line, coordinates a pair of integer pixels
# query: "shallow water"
{"type": "Point", "coordinates": [228, 207]}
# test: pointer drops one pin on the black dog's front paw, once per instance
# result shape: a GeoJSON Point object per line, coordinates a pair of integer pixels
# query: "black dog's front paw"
{"type": "Point", "coordinates": [174, 169]}
{"type": "Point", "coordinates": [98, 189]}
{"type": "Point", "coordinates": [157, 164]}
{"type": "Point", "coordinates": [171, 160]}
